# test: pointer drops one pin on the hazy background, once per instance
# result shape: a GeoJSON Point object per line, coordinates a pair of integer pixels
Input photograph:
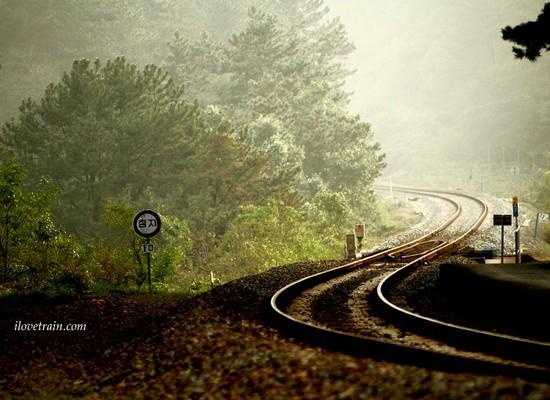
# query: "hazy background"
{"type": "Point", "coordinates": [436, 80]}
{"type": "Point", "coordinates": [439, 85]}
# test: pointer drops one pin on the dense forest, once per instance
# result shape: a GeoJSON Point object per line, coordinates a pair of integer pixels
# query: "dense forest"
{"type": "Point", "coordinates": [229, 118]}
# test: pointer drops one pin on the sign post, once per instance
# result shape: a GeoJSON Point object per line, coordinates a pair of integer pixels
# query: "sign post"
{"type": "Point", "coordinates": [502, 220]}
{"type": "Point", "coordinates": [147, 224]}
{"type": "Point", "coordinates": [515, 209]}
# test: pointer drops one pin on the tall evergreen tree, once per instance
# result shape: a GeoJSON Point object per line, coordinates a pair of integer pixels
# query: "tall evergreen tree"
{"type": "Point", "coordinates": [102, 130]}
{"type": "Point", "coordinates": [114, 131]}
{"type": "Point", "coordinates": [285, 82]}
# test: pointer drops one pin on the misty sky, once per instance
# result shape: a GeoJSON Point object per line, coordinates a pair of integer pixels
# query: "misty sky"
{"type": "Point", "coordinates": [425, 65]}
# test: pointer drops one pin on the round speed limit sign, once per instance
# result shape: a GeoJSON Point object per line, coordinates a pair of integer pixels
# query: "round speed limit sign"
{"type": "Point", "coordinates": [147, 223]}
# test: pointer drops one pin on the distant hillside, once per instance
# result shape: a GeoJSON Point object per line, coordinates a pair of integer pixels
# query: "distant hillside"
{"type": "Point", "coordinates": [436, 78]}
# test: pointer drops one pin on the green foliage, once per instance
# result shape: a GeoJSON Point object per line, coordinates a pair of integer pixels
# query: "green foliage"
{"type": "Point", "coordinates": [114, 136]}
{"type": "Point", "coordinates": [226, 173]}
{"type": "Point", "coordinates": [198, 64]}
{"type": "Point", "coordinates": [21, 214]}
{"type": "Point", "coordinates": [103, 130]}
{"type": "Point", "coordinates": [34, 253]}
{"type": "Point", "coordinates": [117, 258]}
{"type": "Point", "coordinates": [113, 131]}
{"type": "Point", "coordinates": [283, 81]}
{"type": "Point", "coordinates": [269, 135]}
{"type": "Point", "coordinates": [330, 218]}
{"type": "Point", "coordinates": [262, 237]}
{"type": "Point", "coordinates": [172, 259]}
{"type": "Point", "coordinates": [70, 282]}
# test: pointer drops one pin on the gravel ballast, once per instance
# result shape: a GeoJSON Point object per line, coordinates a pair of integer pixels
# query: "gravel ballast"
{"type": "Point", "coordinates": [216, 345]}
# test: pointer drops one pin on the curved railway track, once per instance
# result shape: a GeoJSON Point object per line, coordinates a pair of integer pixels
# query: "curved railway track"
{"type": "Point", "coordinates": [299, 309]}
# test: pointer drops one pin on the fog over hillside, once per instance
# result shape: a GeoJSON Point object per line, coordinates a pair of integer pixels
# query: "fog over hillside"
{"type": "Point", "coordinates": [436, 78]}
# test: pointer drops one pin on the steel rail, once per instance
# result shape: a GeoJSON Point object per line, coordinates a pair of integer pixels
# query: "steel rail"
{"type": "Point", "coordinates": [402, 251]}
{"type": "Point", "coordinates": [362, 345]}
{"type": "Point", "coordinates": [440, 246]}
{"type": "Point", "coordinates": [528, 349]}
{"type": "Point", "coordinates": [312, 279]}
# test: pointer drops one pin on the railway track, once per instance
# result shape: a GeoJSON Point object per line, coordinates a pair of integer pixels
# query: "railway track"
{"type": "Point", "coordinates": [349, 308]}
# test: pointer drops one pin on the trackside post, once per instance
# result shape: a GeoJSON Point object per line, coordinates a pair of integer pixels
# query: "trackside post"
{"type": "Point", "coordinates": [515, 212]}
{"type": "Point", "coordinates": [350, 246]}
{"type": "Point", "coordinates": [501, 220]}
{"type": "Point", "coordinates": [359, 235]}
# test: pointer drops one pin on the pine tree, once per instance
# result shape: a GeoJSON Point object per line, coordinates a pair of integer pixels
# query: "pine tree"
{"type": "Point", "coordinates": [103, 130]}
